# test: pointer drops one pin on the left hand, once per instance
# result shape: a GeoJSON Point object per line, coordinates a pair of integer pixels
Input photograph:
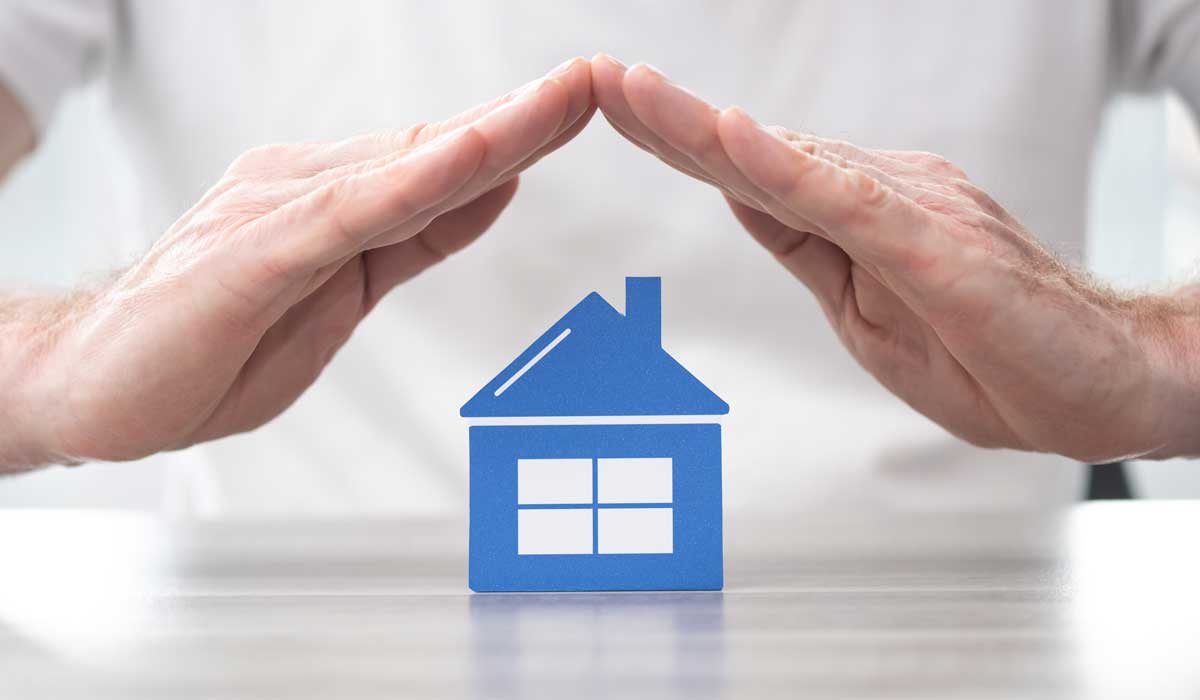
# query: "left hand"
{"type": "Point", "coordinates": [933, 287]}
{"type": "Point", "coordinates": [238, 308]}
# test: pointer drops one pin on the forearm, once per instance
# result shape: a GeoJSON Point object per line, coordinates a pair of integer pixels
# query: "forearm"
{"type": "Point", "coordinates": [16, 132]}
{"type": "Point", "coordinates": [1171, 325]}
{"type": "Point", "coordinates": [30, 380]}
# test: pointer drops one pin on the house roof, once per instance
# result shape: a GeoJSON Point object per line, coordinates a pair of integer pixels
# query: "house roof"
{"type": "Point", "coordinates": [595, 362]}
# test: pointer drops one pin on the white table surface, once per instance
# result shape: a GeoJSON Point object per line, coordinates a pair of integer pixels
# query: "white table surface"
{"type": "Point", "coordinates": [1101, 601]}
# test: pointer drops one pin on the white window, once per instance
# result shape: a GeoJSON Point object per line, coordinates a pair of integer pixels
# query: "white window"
{"type": "Point", "coordinates": [595, 506]}
{"type": "Point", "coordinates": [543, 481]}
{"type": "Point", "coordinates": [634, 480]}
{"type": "Point", "coordinates": [635, 531]}
{"type": "Point", "coordinates": [554, 531]}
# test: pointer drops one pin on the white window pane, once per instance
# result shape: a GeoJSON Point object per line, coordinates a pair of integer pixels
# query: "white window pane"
{"type": "Point", "coordinates": [635, 531]}
{"type": "Point", "coordinates": [554, 481]}
{"type": "Point", "coordinates": [554, 531]}
{"type": "Point", "coordinates": [634, 480]}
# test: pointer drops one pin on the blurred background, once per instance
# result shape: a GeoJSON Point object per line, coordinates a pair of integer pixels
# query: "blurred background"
{"type": "Point", "coordinates": [1144, 216]}
{"type": "Point", "coordinates": [1145, 221]}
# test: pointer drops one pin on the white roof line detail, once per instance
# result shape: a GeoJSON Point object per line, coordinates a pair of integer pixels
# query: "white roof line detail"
{"type": "Point", "coordinates": [597, 420]}
{"type": "Point", "coordinates": [529, 365]}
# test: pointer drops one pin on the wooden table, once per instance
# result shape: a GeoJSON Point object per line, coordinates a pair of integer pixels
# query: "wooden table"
{"type": "Point", "coordinates": [1102, 601]}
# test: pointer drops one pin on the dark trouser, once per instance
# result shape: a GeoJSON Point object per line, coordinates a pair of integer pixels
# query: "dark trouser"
{"type": "Point", "coordinates": [1108, 481]}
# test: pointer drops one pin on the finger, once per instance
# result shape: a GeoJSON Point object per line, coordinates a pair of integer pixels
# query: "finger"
{"type": "Point", "coordinates": [856, 160]}
{"type": "Point", "coordinates": [922, 177]}
{"type": "Point", "coordinates": [855, 211]}
{"type": "Point", "coordinates": [930, 188]}
{"type": "Point", "coordinates": [608, 75]}
{"type": "Point", "coordinates": [686, 169]}
{"type": "Point", "coordinates": [818, 264]}
{"type": "Point", "coordinates": [687, 123]}
{"type": "Point", "coordinates": [403, 196]}
{"type": "Point", "coordinates": [395, 264]}
{"type": "Point", "coordinates": [339, 219]}
{"type": "Point", "coordinates": [289, 356]}
{"type": "Point", "coordinates": [824, 147]}
{"type": "Point", "coordinates": [574, 74]}
{"type": "Point", "coordinates": [553, 145]}
{"type": "Point", "coordinates": [516, 136]}
{"type": "Point", "coordinates": [576, 80]}
{"type": "Point", "coordinates": [371, 151]}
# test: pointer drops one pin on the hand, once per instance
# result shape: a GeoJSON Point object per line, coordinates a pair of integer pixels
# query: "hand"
{"type": "Point", "coordinates": [237, 309]}
{"type": "Point", "coordinates": [934, 288]}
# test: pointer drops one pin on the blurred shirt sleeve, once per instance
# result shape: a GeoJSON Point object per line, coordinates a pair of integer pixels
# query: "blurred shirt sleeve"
{"type": "Point", "coordinates": [1156, 46]}
{"type": "Point", "coordinates": [50, 46]}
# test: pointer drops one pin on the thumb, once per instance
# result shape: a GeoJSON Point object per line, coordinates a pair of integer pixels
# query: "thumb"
{"type": "Point", "coordinates": [449, 233]}
{"type": "Point", "coordinates": [822, 266]}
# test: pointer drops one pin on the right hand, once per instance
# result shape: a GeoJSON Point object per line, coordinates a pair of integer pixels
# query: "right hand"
{"type": "Point", "coordinates": [933, 287]}
{"type": "Point", "coordinates": [238, 308]}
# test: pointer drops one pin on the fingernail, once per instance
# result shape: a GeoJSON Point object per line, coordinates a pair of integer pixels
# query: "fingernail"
{"type": "Point", "coordinates": [734, 109]}
{"type": "Point", "coordinates": [447, 137]}
{"type": "Point", "coordinates": [656, 71]}
{"type": "Point", "coordinates": [562, 68]}
{"type": "Point", "coordinates": [609, 59]}
{"type": "Point", "coordinates": [743, 114]}
{"type": "Point", "coordinates": [738, 111]}
{"type": "Point", "coordinates": [528, 89]}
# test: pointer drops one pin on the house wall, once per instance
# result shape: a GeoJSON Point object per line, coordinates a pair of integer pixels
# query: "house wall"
{"type": "Point", "coordinates": [696, 560]}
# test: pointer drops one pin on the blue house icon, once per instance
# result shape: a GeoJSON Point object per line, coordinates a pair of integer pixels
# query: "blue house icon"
{"type": "Point", "coordinates": [596, 461]}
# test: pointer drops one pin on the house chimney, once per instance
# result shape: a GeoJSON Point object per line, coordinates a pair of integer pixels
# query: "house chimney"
{"type": "Point", "coordinates": [643, 308]}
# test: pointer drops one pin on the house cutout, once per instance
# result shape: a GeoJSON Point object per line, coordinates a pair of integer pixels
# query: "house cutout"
{"type": "Point", "coordinates": [596, 461]}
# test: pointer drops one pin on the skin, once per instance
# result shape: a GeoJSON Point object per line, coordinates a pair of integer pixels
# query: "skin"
{"type": "Point", "coordinates": [933, 287]}
{"type": "Point", "coordinates": [236, 310]}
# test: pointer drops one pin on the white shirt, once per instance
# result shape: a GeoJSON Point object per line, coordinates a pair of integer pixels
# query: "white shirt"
{"type": "Point", "coordinates": [1011, 91]}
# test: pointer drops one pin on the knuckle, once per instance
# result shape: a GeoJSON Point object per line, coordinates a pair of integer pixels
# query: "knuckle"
{"type": "Point", "coordinates": [979, 197]}
{"type": "Point", "coordinates": [326, 197]}
{"type": "Point", "coordinates": [782, 132]}
{"type": "Point", "coordinates": [392, 139]}
{"type": "Point", "coordinates": [843, 149]}
{"type": "Point", "coordinates": [233, 192]}
{"type": "Point", "coordinates": [812, 148]}
{"type": "Point", "coordinates": [865, 197]}
{"type": "Point", "coordinates": [260, 157]}
{"type": "Point", "coordinates": [838, 159]}
{"type": "Point", "coordinates": [866, 189]}
{"type": "Point", "coordinates": [413, 134]}
{"type": "Point", "coordinates": [326, 200]}
{"type": "Point", "coordinates": [803, 170]}
{"type": "Point", "coordinates": [971, 218]}
{"type": "Point", "coordinates": [956, 207]}
{"type": "Point", "coordinates": [942, 165]}
{"type": "Point", "coordinates": [822, 150]}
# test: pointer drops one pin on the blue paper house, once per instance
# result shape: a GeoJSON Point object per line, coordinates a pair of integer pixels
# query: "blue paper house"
{"type": "Point", "coordinates": [596, 461]}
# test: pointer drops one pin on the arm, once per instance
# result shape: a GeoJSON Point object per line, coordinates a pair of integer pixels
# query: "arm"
{"type": "Point", "coordinates": [934, 288]}
{"type": "Point", "coordinates": [241, 304]}
{"type": "Point", "coordinates": [16, 132]}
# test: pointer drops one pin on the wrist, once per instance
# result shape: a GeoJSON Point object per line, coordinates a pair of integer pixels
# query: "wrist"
{"type": "Point", "coordinates": [1170, 330]}
{"type": "Point", "coordinates": [33, 411]}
